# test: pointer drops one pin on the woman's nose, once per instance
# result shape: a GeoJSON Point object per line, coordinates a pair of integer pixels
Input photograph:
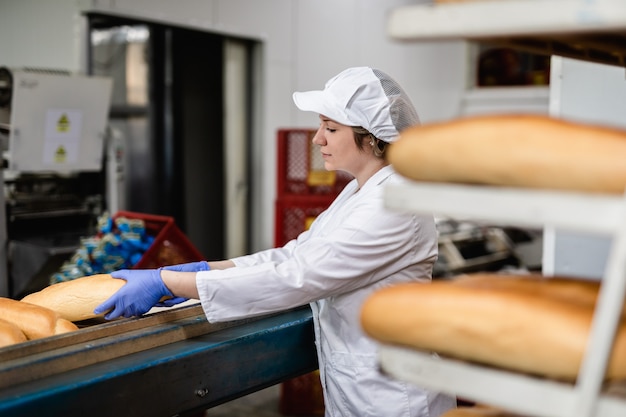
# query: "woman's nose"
{"type": "Point", "coordinates": [318, 138]}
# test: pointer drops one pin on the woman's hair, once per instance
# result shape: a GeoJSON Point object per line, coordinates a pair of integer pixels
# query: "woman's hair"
{"type": "Point", "coordinates": [361, 134]}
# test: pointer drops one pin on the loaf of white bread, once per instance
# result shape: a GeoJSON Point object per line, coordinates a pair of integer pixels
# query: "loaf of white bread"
{"type": "Point", "coordinates": [516, 150]}
{"type": "Point", "coordinates": [35, 322]}
{"type": "Point", "coordinates": [525, 323]}
{"type": "Point", "coordinates": [478, 411]}
{"type": "Point", "coordinates": [75, 300]}
{"type": "Point", "coordinates": [53, 310]}
{"type": "Point", "coordinates": [10, 334]}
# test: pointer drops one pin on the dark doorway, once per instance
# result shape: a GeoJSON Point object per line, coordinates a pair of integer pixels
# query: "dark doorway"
{"type": "Point", "coordinates": [168, 124]}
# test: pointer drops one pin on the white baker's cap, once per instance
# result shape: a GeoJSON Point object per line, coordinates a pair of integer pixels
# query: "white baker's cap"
{"type": "Point", "coordinates": [365, 97]}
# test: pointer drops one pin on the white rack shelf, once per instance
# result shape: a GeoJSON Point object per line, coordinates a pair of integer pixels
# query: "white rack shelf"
{"type": "Point", "coordinates": [594, 213]}
{"type": "Point", "coordinates": [507, 206]}
{"type": "Point", "coordinates": [517, 392]}
{"type": "Point", "coordinates": [592, 30]}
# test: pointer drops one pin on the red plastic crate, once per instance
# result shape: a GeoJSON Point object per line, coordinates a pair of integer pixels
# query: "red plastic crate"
{"type": "Point", "coordinates": [301, 166]}
{"type": "Point", "coordinates": [295, 214]}
{"type": "Point", "coordinates": [170, 245]}
{"type": "Point", "coordinates": [302, 396]}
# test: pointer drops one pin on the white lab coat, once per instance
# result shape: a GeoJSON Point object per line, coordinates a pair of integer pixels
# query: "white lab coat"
{"type": "Point", "coordinates": [352, 249]}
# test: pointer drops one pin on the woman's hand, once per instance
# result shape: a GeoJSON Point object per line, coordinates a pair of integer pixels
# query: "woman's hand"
{"type": "Point", "coordinates": [143, 290]}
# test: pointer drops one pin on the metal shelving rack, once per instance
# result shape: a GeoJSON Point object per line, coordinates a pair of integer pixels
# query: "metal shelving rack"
{"type": "Point", "coordinates": [535, 208]}
{"type": "Point", "coordinates": [592, 30]}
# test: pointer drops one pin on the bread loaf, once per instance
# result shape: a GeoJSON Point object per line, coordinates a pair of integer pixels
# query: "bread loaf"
{"type": "Point", "coordinates": [579, 291]}
{"type": "Point", "coordinates": [10, 334]}
{"type": "Point", "coordinates": [531, 151]}
{"type": "Point", "coordinates": [478, 411]}
{"type": "Point", "coordinates": [520, 329]}
{"type": "Point", "coordinates": [33, 320]}
{"type": "Point", "coordinates": [64, 326]}
{"type": "Point", "coordinates": [75, 300]}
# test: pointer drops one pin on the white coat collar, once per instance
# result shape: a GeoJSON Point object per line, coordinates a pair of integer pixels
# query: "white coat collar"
{"type": "Point", "coordinates": [379, 177]}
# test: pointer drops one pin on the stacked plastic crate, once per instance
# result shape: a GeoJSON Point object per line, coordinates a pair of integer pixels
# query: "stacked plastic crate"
{"type": "Point", "coordinates": [305, 189]}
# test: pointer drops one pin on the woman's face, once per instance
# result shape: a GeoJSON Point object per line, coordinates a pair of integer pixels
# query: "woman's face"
{"type": "Point", "coordinates": [336, 142]}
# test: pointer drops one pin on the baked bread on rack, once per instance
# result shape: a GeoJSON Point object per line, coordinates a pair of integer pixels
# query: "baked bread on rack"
{"type": "Point", "coordinates": [478, 411]}
{"type": "Point", "coordinates": [524, 323]}
{"type": "Point", "coordinates": [517, 150]}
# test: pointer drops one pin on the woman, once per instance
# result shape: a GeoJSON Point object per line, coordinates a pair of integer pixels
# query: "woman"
{"type": "Point", "coordinates": [352, 249]}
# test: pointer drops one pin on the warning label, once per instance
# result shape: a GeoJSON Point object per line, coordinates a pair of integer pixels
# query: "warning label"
{"type": "Point", "coordinates": [63, 134]}
{"type": "Point", "coordinates": [63, 125]}
{"type": "Point", "coordinates": [60, 155]}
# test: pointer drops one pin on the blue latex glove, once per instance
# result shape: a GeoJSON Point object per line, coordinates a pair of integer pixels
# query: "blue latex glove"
{"type": "Point", "coordinates": [189, 267]}
{"type": "Point", "coordinates": [142, 291]}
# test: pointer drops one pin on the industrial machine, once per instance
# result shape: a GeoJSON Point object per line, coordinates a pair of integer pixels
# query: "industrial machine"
{"type": "Point", "coordinates": [466, 247]}
{"type": "Point", "coordinates": [53, 134]}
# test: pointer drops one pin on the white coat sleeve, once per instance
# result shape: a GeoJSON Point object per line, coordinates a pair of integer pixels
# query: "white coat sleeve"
{"type": "Point", "coordinates": [370, 244]}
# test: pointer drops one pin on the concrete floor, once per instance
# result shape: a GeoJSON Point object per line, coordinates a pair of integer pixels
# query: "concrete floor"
{"type": "Point", "coordinates": [264, 403]}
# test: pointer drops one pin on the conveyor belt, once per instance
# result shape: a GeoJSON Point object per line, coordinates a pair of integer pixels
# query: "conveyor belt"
{"type": "Point", "coordinates": [165, 369]}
